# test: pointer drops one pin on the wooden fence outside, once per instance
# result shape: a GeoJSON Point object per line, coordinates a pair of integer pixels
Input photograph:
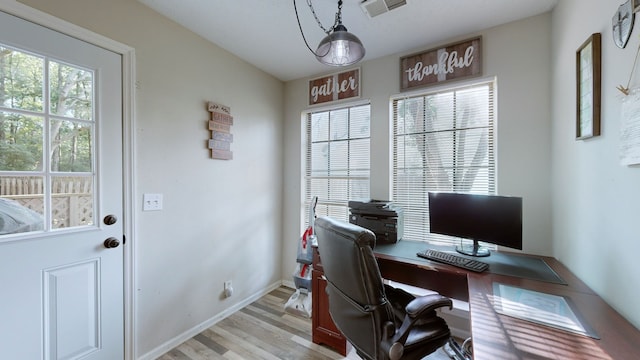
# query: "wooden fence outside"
{"type": "Point", "coordinates": [71, 201]}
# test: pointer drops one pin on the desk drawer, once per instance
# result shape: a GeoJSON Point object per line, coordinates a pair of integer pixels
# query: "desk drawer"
{"type": "Point", "coordinates": [450, 284]}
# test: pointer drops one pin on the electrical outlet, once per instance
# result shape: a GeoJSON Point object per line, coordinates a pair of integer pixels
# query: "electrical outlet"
{"type": "Point", "coordinates": [151, 202]}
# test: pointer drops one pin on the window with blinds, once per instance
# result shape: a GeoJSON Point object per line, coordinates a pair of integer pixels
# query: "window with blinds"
{"type": "Point", "coordinates": [337, 159]}
{"type": "Point", "coordinates": [442, 141]}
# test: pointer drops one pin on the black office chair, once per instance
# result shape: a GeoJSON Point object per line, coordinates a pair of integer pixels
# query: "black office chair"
{"type": "Point", "coordinates": [381, 322]}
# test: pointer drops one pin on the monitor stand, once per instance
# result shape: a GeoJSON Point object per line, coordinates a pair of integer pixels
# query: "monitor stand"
{"type": "Point", "coordinates": [473, 250]}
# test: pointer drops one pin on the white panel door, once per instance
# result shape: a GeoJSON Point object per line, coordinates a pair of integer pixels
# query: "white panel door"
{"type": "Point", "coordinates": [61, 196]}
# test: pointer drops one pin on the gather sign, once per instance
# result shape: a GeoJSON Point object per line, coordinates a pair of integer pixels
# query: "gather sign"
{"type": "Point", "coordinates": [339, 86]}
{"type": "Point", "coordinates": [451, 62]}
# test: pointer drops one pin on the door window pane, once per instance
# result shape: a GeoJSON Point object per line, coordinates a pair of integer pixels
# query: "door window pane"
{"type": "Point", "coordinates": [71, 91]}
{"type": "Point", "coordinates": [21, 204]}
{"type": "Point", "coordinates": [72, 201]}
{"type": "Point", "coordinates": [20, 142]}
{"type": "Point", "coordinates": [21, 79]}
{"type": "Point", "coordinates": [71, 146]}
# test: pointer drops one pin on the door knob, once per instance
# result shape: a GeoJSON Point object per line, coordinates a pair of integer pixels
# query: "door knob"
{"type": "Point", "coordinates": [111, 243]}
{"type": "Point", "coordinates": [110, 219]}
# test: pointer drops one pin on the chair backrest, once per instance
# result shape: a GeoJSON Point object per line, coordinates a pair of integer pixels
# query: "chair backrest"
{"type": "Point", "coordinates": [357, 300]}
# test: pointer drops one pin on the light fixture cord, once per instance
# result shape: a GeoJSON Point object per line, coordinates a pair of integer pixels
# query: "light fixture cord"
{"type": "Point", "coordinates": [338, 20]}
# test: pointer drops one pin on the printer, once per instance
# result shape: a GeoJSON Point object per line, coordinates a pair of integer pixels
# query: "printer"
{"type": "Point", "coordinates": [383, 218]}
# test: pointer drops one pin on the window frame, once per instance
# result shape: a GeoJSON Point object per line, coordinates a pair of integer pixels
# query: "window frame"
{"type": "Point", "coordinates": [419, 229]}
{"type": "Point", "coordinates": [65, 199]}
{"type": "Point", "coordinates": [332, 207]}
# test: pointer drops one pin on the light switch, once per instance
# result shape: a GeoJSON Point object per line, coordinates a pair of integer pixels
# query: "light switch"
{"type": "Point", "coordinates": [151, 202]}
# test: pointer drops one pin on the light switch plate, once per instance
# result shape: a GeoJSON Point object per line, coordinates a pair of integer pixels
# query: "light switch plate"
{"type": "Point", "coordinates": [151, 202]}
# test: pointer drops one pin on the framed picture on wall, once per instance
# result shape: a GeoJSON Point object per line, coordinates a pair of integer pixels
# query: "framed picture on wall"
{"type": "Point", "coordinates": [588, 66]}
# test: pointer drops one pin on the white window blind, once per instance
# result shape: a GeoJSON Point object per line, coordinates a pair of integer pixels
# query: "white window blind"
{"type": "Point", "coordinates": [442, 141]}
{"type": "Point", "coordinates": [337, 158]}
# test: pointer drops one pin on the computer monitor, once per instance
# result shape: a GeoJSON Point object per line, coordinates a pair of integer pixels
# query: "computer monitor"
{"type": "Point", "coordinates": [488, 218]}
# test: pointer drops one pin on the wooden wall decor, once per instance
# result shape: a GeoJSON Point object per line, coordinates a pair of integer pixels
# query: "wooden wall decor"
{"type": "Point", "coordinates": [450, 62]}
{"type": "Point", "coordinates": [220, 126]}
{"type": "Point", "coordinates": [333, 87]}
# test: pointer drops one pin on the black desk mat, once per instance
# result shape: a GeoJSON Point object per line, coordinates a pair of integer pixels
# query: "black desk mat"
{"type": "Point", "coordinates": [499, 263]}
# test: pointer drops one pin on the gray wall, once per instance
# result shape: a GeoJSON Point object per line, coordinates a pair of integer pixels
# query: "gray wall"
{"type": "Point", "coordinates": [596, 201]}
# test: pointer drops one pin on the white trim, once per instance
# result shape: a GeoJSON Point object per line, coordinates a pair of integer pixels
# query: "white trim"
{"type": "Point", "coordinates": [129, 174]}
{"type": "Point", "coordinates": [128, 117]}
{"type": "Point", "coordinates": [177, 340]}
{"type": "Point", "coordinates": [34, 15]}
{"type": "Point", "coordinates": [335, 106]}
{"type": "Point", "coordinates": [443, 87]}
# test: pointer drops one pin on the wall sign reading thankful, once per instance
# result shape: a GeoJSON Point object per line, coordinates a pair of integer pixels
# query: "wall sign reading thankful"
{"type": "Point", "coordinates": [220, 126]}
{"type": "Point", "coordinates": [340, 86]}
{"type": "Point", "coordinates": [454, 61]}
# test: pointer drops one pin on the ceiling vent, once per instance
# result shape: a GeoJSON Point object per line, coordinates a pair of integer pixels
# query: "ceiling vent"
{"type": "Point", "coordinates": [374, 8]}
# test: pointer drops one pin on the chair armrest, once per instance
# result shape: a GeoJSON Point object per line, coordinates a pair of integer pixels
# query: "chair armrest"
{"type": "Point", "coordinates": [423, 304]}
{"type": "Point", "coordinates": [393, 342]}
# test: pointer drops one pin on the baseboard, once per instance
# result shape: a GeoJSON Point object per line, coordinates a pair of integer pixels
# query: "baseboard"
{"type": "Point", "coordinates": [174, 342]}
{"type": "Point", "coordinates": [288, 283]}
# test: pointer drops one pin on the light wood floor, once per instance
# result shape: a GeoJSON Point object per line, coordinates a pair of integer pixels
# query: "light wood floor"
{"type": "Point", "coordinates": [261, 330]}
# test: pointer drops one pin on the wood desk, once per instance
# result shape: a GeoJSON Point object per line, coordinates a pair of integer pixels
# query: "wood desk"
{"type": "Point", "coordinates": [323, 330]}
{"type": "Point", "coordinates": [496, 336]}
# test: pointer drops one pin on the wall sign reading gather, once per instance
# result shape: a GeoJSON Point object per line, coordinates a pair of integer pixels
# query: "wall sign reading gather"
{"type": "Point", "coordinates": [340, 86]}
{"type": "Point", "coordinates": [455, 61]}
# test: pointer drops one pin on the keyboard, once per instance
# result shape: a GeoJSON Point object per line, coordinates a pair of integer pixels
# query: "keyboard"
{"type": "Point", "coordinates": [453, 259]}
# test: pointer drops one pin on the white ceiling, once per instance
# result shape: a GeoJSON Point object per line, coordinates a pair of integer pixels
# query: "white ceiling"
{"type": "Point", "coordinates": [265, 33]}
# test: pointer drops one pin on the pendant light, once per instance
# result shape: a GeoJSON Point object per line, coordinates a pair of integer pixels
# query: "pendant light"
{"type": "Point", "coordinates": [339, 47]}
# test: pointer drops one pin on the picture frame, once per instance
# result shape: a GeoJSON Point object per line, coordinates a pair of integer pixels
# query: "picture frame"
{"type": "Point", "coordinates": [588, 87]}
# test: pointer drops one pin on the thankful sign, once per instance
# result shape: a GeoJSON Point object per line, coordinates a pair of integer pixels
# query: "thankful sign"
{"type": "Point", "coordinates": [340, 86]}
{"type": "Point", "coordinates": [455, 61]}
